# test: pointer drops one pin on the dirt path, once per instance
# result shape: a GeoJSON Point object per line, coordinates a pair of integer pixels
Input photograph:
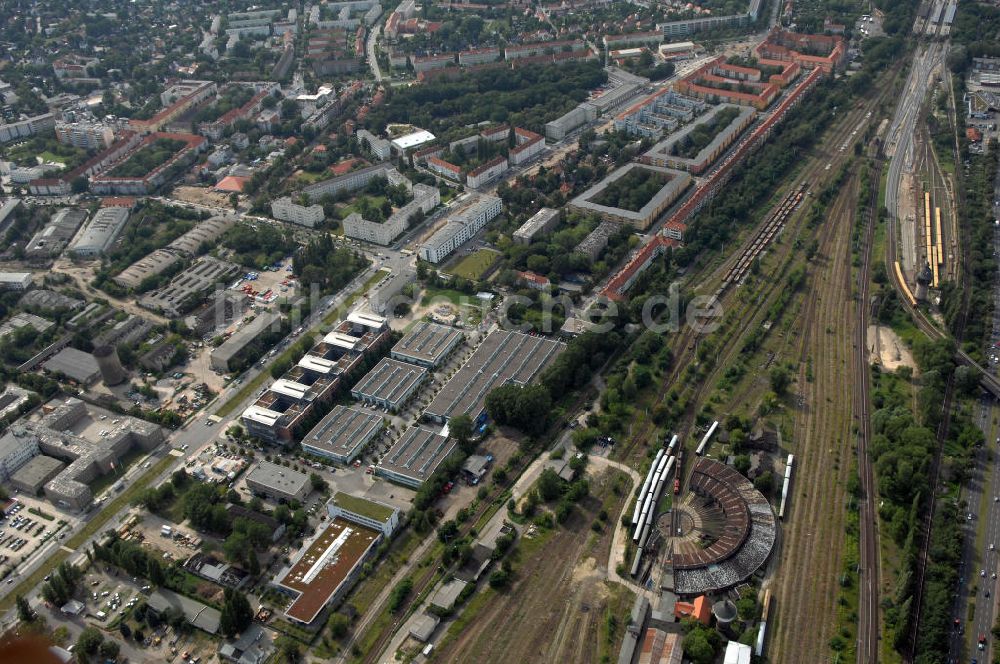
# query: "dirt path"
{"type": "Point", "coordinates": [813, 537]}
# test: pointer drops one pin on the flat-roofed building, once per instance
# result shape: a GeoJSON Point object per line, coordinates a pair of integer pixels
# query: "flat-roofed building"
{"type": "Point", "coordinates": [425, 199]}
{"type": "Point", "coordinates": [674, 184]}
{"type": "Point", "coordinates": [285, 209]}
{"type": "Point", "coordinates": [349, 181]}
{"type": "Point", "coordinates": [389, 385]}
{"type": "Point", "coordinates": [74, 364]}
{"type": "Point", "coordinates": [15, 452]}
{"type": "Point", "coordinates": [86, 135]}
{"type": "Point", "coordinates": [542, 222]}
{"type": "Point", "coordinates": [51, 240]}
{"type": "Point", "coordinates": [17, 281]}
{"type": "Point", "coordinates": [363, 511]}
{"type": "Point", "coordinates": [278, 482]}
{"type": "Point", "coordinates": [503, 357]}
{"type": "Point", "coordinates": [32, 476]}
{"type": "Point", "coordinates": [232, 347]}
{"type": "Point", "coordinates": [343, 434]}
{"type": "Point", "coordinates": [189, 288]}
{"type": "Point", "coordinates": [414, 457]}
{"type": "Point", "coordinates": [427, 344]}
{"type": "Point", "coordinates": [279, 413]}
{"type": "Point", "coordinates": [664, 152]}
{"type": "Point", "coordinates": [100, 232]}
{"type": "Point", "coordinates": [379, 147]}
{"type": "Point", "coordinates": [327, 569]}
{"type": "Point", "coordinates": [461, 227]}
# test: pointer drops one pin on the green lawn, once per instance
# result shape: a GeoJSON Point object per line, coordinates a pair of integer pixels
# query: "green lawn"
{"type": "Point", "coordinates": [253, 385]}
{"type": "Point", "coordinates": [51, 156]}
{"type": "Point", "coordinates": [475, 265]}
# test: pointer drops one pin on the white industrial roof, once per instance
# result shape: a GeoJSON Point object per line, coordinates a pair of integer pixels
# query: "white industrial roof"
{"type": "Point", "coordinates": [341, 340]}
{"type": "Point", "coordinates": [318, 364]}
{"type": "Point", "coordinates": [290, 388]}
{"type": "Point", "coordinates": [264, 416]}
{"type": "Point", "coordinates": [366, 319]}
{"type": "Point", "coordinates": [413, 140]}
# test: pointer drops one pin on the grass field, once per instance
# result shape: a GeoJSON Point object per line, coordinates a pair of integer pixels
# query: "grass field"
{"type": "Point", "coordinates": [475, 265]}
{"type": "Point", "coordinates": [252, 386]}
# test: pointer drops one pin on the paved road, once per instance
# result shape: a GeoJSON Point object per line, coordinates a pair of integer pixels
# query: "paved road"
{"type": "Point", "coordinates": [985, 479]}
{"type": "Point", "coordinates": [370, 50]}
{"type": "Point", "coordinates": [198, 431]}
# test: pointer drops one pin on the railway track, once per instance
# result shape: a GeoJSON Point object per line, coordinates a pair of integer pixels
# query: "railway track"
{"type": "Point", "coordinates": [869, 619]}
{"type": "Point", "coordinates": [772, 225]}
{"type": "Point", "coordinates": [841, 134]}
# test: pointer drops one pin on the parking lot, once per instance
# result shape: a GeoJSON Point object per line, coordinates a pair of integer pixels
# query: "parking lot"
{"type": "Point", "coordinates": [27, 525]}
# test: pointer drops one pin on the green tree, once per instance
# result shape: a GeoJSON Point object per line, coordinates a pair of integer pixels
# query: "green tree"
{"type": "Point", "coordinates": [89, 641]}
{"type": "Point", "coordinates": [109, 650]}
{"type": "Point", "coordinates": [24, 612]}
{"type": "Point", "coordinates": [780, 380]}
{"type": "Point", "coordinates": [339, 624]}
{"type": "Point", "coordinates": [460, 428]}
{"type": "Point", "coordinates": [289, 651]}
{"type": "Point", "coordinates": [318, 483]}
{"type": "Point", "coordinates": [236, 613]}
{"type": "Point", "coordinates": [79, 185]}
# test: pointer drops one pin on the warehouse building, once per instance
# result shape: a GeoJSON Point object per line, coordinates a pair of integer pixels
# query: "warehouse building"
{"type": "Point", "coordinates": [427, 344]}
{"type": "Point", "coordinates": [461, 227]}
{"type": "Point", "coordinates": [414, 457]}
{"type": "Point", "coordinates": [343, 434]}
{"type": "Point", "coordinates": [22, 319]}
{"type": "Point", "coordinates": [42, 299]}
{"type": "Point", "coordinates": [365, 512]}
{"type": "Point", "coordinates": [207, 232]}
{"type": "Point", "coordinates": [17, 281]}
{"type": "Point", "coordinates": [327, 569]}
{"type": "Point", "coordinates": [74, 364]}
{"type": "Point", "coordinates": [389, 385]}
{"type": "Point", "coordinates": [278, 482]}
{"type": "Point", "coordinates": [33, 475]}
{"type": "Point", "coordinates": [503, 358]}
{"type": "Point", "coordinates": [234, 346]}
{"type": "Point", "coordinates": [100, 232]}
{"type": "Point", "coordinates": [542, 222]}
{"type": "Point", "coordinates": [676, 183]}
{"type": "Point", "coordinates": [190, 287]}
{"type": "Point", "coordinates": [51, 240]}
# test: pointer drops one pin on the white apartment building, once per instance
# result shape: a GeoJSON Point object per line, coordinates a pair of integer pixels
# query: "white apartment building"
{"type": "Point", "coordinates": [488, 172]}
{"type": "Point", "coordinates": [86, 135]}
{"type": "Point", "coordinates": [287, 210]}
{"type": "Point", "coordinates": [462, 226]}
{"type": "Point", "coordinates": [425, 199]}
